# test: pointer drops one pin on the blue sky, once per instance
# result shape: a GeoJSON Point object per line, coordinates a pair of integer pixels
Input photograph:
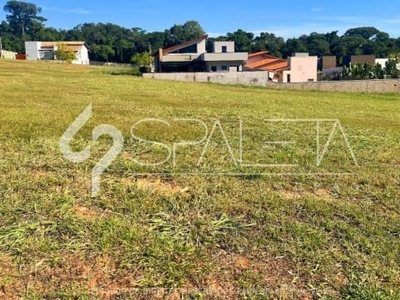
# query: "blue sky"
{"type": "Point", "coordinates": [217, 17]}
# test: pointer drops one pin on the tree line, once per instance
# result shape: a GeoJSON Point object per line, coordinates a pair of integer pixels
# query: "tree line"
{"type": "Point", "coordinates": [111, 42]}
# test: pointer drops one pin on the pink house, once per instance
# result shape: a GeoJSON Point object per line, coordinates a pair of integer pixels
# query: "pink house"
{"type": "Point", "coordinates": [303, 68]}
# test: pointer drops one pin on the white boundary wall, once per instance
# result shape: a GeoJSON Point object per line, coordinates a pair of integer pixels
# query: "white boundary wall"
{"type": "Point", "coordinates": [7, 54]}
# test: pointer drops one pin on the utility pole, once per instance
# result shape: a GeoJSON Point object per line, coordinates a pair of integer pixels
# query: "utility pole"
{"type": "Point", "coordinates": [1, 48]}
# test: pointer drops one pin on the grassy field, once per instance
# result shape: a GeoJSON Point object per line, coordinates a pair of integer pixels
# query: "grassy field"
{"type": "Point", "coordinates": [209, 230]}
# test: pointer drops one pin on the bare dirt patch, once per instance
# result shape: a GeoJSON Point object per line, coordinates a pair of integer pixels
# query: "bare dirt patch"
{"type": "Point", "coordinates": [272, 276]}
{"type": "Point", "coordinates": [85, 213]}
{"type": "Point", "coordinates": [322, 194]}
{"type": "Point", "coordinates": [157, 185]}
{"type": "Point", "coordinates": [97, 276]}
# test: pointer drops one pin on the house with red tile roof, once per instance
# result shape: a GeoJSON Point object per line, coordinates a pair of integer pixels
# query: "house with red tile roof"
{"type": "Point", "coordinates": [298, 68]}
{"type": "Point", "coordinates": [46, 51]}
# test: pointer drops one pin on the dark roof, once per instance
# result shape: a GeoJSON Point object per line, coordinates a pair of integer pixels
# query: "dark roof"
{"type": "Point", "coordinates": [165, 51]}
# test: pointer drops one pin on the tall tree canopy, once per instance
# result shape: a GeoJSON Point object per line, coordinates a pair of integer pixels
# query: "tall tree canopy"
{"type": "Point", "coordinates": [23, 17]}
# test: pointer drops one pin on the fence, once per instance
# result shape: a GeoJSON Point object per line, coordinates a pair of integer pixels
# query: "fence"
{"type": "Point", "coordinates": [8, 54]}
{"type": "Point", "coordinates": [257, 78]}
{"type": "Point", "coordinates": [261, 79]}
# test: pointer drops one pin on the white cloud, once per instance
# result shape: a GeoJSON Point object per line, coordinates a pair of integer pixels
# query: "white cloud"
{"type": "Point", "coordinates": [317, 9]}
{"type": "Point", "coordinates": [81, 11]}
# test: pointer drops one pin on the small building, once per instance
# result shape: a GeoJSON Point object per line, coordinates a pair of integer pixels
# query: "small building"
{"type": "Point", "coordinates": [47, 51]}
{"type": "Point", "coordinates": [326, 62]}
{"type": "Point", "coordinates": [192, 56]}
{"type": "Point", "coordinates": [303, 68]}
{"type": "Point", "coordinates": [358, 59]}
{"type": "Point", "coordinates": [383, 61]}
{"type": "Point", "coordinates": [299, 68]}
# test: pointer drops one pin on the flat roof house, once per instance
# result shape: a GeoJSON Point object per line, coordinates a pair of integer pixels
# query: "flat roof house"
{"type": "Point", "coordinates": [303, 68]}
{"type": "Point", "coordinates": [358, 59]}
{"type": "Point", "coordinates": [192, 56]}
{"type": "Point", "coordinates": [46, 51]}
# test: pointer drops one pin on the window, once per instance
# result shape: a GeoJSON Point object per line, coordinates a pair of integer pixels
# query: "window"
{"type": "Point", "coordinates": [213, 69]}
{"type": "Point", "coordinates": [224, 49]}
{"type": "Point", "coordinates": [224, 68]}
{"type": "Point", "coordinates": [288, 78]}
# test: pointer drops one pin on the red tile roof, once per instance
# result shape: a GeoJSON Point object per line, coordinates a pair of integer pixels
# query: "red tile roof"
{"type": "Point", "coordinates": [263, 61]}
{"type": "Point", "coordinates": [72, 45]}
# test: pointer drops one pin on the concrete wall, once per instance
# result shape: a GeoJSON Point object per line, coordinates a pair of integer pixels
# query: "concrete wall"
{"type": "Point", "coordinates": [348, 86]}
{"type": "Point", "coordinates": [32, 50]}
{"type": "Point", "coordinates": [82, 56]}
{"type": "Point", "coordinates": [247, 78]}
{"type": "Point", "coordinates": [358, 59]}
{"type": "Point", "coordinates": [201, 47]}
{"type": "Point", "coordinates": [326, 62]}
{"type": "Point", "coordinates": [232, 66]}
{"type": "Point", "coordinates": [7, 54]}
{"type": "Point", "coordinates": [381, 61]}
{"type": "Point", "coordinates": [230, 46]}
{"type": "Point", "coordinates": [260, 78]}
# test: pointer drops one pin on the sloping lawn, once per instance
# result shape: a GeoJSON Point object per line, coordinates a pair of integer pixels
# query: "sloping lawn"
{"type": "Point", "coordinates": [267, 194]}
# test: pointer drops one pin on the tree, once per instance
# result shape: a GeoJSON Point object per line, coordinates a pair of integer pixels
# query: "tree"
{"type": "Point", "coordinates": [192, 30]}
{"type": "Point", "coordinates": [178, 34]}
{"type": "Point", "coordinates": [64, 53]}
{"type": "Point", "coordinates": [268, 41]}
{"type": "Point", "coordinates": [364, 32]}
{"type": "Point", "coordinates": [243, 40]}
{"type": "Point", "coordinates": [144, 60]}
{"type": "Point", "coordinates": [391, 68]}
{"type": "Point", "coordinates": [293, 45]}
{"type": "Point", "coordinates": [23, 16]}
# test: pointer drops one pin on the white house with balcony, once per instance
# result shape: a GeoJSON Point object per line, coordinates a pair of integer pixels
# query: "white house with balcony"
{"type": "Point", "coordinates": [192, 56]}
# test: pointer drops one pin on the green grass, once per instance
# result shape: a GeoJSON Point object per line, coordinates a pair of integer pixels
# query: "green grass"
{"type": "Point", "coordinates": [304, 235]}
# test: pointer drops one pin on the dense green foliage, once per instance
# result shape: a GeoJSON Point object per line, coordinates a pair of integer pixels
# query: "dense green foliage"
{"type": "Point", "coordinates": [110, 42]}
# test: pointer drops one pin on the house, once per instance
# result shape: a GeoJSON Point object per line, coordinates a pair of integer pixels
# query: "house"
{"type": "Point", "coordinates": [303, 68]}
{"type": "Point", "coordinates": [191, 56]}
{"type": "Point", "coordinates": [298, 68]}
{"type": "Point", "coordinates": [326, 62]}
{"type": "Point", "coordinates": [383, 61]}
{"type": "Point", "coordinates": [262, 61]}
{"type": "Point", "coordinates": [358, 59]}
{"type": "Point", "coordinates": [47, 50]}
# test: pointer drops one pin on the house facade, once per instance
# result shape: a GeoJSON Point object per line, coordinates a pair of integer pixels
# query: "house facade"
{"type": "Point", "coordinates": [192, 56]}
{"type": "Point", "coordinates": [326, 62]}
{"type": "Point", "coordinates": [47, 51]}
{"type": "Point", "coordinates": [358, 59]}
{"type": "Point", "coordinates": [298, 68]}
{"type": "Point", "coordinates": [303, 68]}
